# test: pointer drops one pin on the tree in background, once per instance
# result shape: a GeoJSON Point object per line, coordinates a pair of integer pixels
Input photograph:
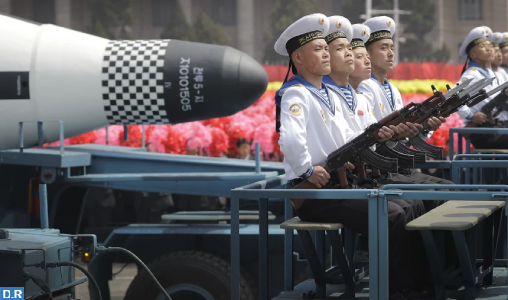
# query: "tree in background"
{"type": "Point", "coordinates": [108, 15]}
{"type": "Point", "coordinates": [283, 14]}
{"type": "Point", "coordinates": [416, 25]}
{"type": "Point", "coordinates": [178, 28]}
{"type": "Point", "coordinates": [207, 31]}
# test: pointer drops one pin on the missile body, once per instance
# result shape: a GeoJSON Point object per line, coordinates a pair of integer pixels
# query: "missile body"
{"type": "Point", "coordinates": [49, 73]}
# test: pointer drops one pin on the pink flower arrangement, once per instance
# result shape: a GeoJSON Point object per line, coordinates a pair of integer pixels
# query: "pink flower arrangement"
{"type": "Point", "coordinates": [219, 136]}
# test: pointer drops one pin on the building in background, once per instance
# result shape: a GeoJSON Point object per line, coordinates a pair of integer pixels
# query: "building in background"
{"type": "Point", "coordinates": [245, 21]}
{"type": "Point", "coordinates": [455, 18]}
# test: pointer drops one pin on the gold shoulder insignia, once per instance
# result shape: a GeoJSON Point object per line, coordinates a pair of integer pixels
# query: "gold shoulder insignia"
{"type": "Point", "coordinates": [298, 85]}
{"type": "Point", "coordinates": [474, 69]}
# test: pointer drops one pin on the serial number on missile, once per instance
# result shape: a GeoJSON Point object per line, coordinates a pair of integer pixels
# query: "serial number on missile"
{"type": "Point", "coordinates": [184, 84]}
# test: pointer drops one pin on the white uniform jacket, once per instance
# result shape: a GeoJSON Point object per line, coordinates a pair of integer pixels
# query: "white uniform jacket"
{"type": "Point", "coordinates": [310, 129]}
{"type": "Point", "coordinates": [476, 73]}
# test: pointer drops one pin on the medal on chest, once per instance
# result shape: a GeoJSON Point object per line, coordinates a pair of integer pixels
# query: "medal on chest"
{"type": "Point", "coordinates": [360, 112]}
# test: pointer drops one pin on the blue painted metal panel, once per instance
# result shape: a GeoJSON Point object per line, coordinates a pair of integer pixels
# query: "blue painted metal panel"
{"type": "Point", "coordinates": [115, 159]}
{"type": "Point", "coordinates": [45, 158]}
{"type": "Point", "coordinates": [248, 176]}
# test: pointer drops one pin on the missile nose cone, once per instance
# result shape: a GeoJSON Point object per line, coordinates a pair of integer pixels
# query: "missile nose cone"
{"type": "Point", "coordinates": [251, 81]}
{"type": "Point", "coordinates": [210, 81]}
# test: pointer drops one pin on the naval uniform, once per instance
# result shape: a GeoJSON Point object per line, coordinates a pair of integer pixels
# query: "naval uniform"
{"type": "Point", "coordinates": [475, 37]}
{"type": "Point", "coordinates": [385, 98]}
{"type": "Point", "coordinates": [358, 114]}
{"type": "Point", "coordinates": [484, 141]}
{"type": "Point", "coordinates": [310, 129]}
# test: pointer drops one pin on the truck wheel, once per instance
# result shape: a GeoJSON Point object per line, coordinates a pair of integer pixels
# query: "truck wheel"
{"type": "Point", "coordinates": [190, 275]}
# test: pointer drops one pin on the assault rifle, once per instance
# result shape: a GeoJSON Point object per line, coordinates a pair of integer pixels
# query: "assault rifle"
{"type": "Point", "coordinates": [359, 147]}
{"type": "Point", "coordinates": [405, 155]}
{"type": "Point", "coordinates": [469, 97]}
{"type": "Point", "coordinates": [499, 103]}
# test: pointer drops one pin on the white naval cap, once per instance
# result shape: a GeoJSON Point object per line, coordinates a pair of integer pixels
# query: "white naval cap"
{"type": "Point", "coordinates": [381, 27]}
{"type": "Point", "coordinates": [301, 32]}
{"type": "Point", "coordinates": [503, 42]}
{"type": "Point", "coordinates": [473, 38]}
{"type": "Point", "coordinates": [340, 27]}
{"type": "Point", "coordinates": [495, 38]}
{"type": "Point", "coordinates": [361, 34]}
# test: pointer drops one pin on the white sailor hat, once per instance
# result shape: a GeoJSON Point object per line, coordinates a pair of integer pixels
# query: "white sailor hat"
{"type": "Point", "coordinates": [361, 34]}
{"type": "Point", "coordinates": [488, 31]}
{"type": "Point", "coordinates": [495, 38]}
{"type": "Point", "coordinates": [503, 41]}
{"type": "Point", "coordinates": [381, 27]}
{"type": "Point", "coordinates": [340, 27]}
{"type": "Point", "coordinates": [301, 32]}
{"type": "Point", "coordinates": [474, 37]}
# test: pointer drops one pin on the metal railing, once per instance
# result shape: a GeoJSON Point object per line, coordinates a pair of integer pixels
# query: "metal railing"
{"type": "Point", "coordinates": [469, 130]}
{"type": "Point", "coordinates": [40, 134]}
{"type": "Point", "coordinates": [473, 163]}
{"type": "Point", "coordinates": [377, 216]}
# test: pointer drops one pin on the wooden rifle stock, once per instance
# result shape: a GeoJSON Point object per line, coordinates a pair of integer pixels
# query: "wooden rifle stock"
{"type": "Point", "coordinates": [360, 171]}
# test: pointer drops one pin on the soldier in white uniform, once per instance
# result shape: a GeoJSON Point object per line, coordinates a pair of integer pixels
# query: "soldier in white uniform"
{"type": "Point", "coordinates": [503, 45]}
{"type": "Point", "coordinates": [352, 104]}
{"type": "Point", "coordinates": [311, 128]}
{"type": "Point", "coordinates": [386, 98]}
{"type": "Point", "coordinates": [479, 54]}
{"type": "Point", "coordinates": [495, 39]}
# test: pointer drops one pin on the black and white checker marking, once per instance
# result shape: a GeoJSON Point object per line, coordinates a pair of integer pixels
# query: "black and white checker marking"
{"type": "Point", "coordinates": [132, 82]}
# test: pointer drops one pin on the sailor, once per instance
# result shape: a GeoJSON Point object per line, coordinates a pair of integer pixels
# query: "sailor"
{"type": "Point", "coordinates": [386, 98]}
{"type": "Point", "coordinates": [501, 76]}
{"type": "Point", "coordinates": [503, 45]}
{"type": "Point", "coordinates": [311, 127]}
{"type": "Point", "coordinates": [498, 58]}
{"type": "Point", "coordinates": [352, 104]}
{"type": "Point", "coordinates": [479, 54]}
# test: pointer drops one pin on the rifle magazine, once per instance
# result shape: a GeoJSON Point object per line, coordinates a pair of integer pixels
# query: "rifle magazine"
{"type": "Point", "coordinates": [419, 156]}
{"type": "Point", "coordinates": [378, 161]}
{"type": "Point", "coordinates": [430, 150]}
{"type": "Point", "coordinates": [404, 160]}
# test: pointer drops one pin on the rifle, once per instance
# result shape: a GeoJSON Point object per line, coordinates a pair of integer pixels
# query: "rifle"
{"type": "Point", "coordinates": [411, 112]}
{"type": "Point", "coordinates": [359, 147]}
{"type": "Point", "coordinates": [451, 100]}
{"type": "Point", "coordinates": [499, 103]}
{"type": "Point", "coordinates": [469, 97]}
{"type": "Point", "coordinates": [401, 151]}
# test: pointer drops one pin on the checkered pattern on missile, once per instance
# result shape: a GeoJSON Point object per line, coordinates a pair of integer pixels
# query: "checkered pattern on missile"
{"type": "Point", "coordinates": [132, 82]}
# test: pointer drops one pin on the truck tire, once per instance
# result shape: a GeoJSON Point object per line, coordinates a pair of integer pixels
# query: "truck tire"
{"type": "Point", "coordinates": [190, 275]}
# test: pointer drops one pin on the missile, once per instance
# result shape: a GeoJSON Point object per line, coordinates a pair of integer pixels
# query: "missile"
{"type": "Point", "coordinates": [50, 73]}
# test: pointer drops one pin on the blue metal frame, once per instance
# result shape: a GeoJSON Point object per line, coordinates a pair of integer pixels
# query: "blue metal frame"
{"type": "Point", "coordinates": [378, 219]}
{"type": "Point", "coordinates": [458, 164]}
{"type": "Point", "coordinates": [462, 130]}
